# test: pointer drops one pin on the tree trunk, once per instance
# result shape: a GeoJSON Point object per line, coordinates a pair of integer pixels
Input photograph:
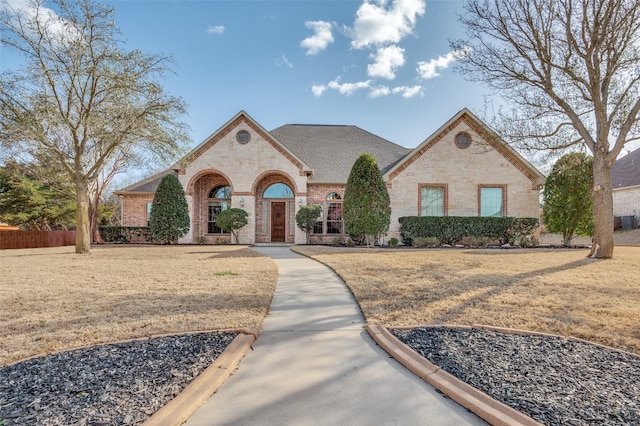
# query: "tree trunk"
{"type": "Point", "coordinates": [602, 246]}
{"type": "Point", "coordinates": [566, 239]}
{"type": "Point", "coordinates": [93, 219]}
{"type": "Point", "coordinates": [83, 227]}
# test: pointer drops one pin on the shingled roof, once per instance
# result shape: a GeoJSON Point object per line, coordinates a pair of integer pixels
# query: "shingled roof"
{"type": "Point", "coordinates": [146, 186]}
{"type": "Point", "coordinates": [331, 150]}
{"type": "Point", "coordinates": [625, 171]}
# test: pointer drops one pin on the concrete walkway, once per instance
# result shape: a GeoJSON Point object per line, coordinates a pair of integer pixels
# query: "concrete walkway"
{"type": "Point", "coordinates": [314, 364]}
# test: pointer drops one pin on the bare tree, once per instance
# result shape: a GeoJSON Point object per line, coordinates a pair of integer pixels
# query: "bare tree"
{"type": "Point", "coordinates": [80, 96]}
{"type": "Point", "coordinates": [570, 72]}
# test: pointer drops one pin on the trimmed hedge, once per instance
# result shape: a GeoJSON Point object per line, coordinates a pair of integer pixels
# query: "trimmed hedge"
{"type": "Point", "coordinates": [126, 234]}
{"type": "Point", "coordinates": [452, 229]}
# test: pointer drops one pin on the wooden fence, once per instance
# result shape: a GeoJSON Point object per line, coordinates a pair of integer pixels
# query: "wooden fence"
{"type": "Point", "coordinates": [36, 239]}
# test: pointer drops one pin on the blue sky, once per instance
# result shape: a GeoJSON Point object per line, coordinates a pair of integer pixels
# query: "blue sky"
{"type": "Point", "coordinates": [384, 66]}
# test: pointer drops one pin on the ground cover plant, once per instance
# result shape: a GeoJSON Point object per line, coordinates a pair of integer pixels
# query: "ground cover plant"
{"type": "Point", "coordinates": [52, 299]}
{"type": "Point", "coordinates": [547, 290]}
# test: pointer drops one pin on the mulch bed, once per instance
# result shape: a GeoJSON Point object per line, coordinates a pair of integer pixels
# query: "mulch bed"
{"type": "Point", "coordinates": [553, 380]}
{"type": "Point", "coordinates": [122, 383]}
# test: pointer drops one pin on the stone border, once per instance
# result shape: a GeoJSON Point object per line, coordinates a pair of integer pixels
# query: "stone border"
{"type": "Point", "coordinates": [487, 408]}
{"type": "Point", "coordinates": [180, 408]}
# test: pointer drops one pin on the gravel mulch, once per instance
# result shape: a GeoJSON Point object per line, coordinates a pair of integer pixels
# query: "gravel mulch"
{"type": "Point", "coordinates": [553, 380]}
{"type": "Point", "coordinates": [122, 383]}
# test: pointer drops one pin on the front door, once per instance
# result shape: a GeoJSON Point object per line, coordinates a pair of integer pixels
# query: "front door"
{"type": "Point", "coordinates": [278, 221]}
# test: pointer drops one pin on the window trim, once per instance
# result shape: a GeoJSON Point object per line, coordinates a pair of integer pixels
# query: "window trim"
{"type": "Point", "coordinates": [444, 186]}
{"type": "Point", "coordinates": [504, 198]}
{"type": "Point", "coordinates": [212, 202]}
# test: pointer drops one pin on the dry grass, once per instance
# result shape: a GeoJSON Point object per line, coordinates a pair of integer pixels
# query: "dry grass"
{"type": "Point", "coordinates": [555, 291]}
{"type": "Point", "coordinates": [52, 299]}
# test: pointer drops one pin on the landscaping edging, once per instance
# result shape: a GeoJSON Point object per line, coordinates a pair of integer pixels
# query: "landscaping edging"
{"type": "Point", "coordinates": [179, 409]}
{"type": "Point", "coordinates": [485, 407]}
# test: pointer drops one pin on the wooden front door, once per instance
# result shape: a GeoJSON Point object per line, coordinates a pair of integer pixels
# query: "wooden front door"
{"type": "Point", "coordinates": [278, 222]}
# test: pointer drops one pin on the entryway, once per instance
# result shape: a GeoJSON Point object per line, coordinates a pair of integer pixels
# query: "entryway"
{"type": "Point", "coordinates": [278, 221]}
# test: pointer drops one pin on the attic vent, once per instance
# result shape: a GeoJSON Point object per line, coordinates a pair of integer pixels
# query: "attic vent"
{"type": "Point", "coordinates": [243, 137]}
{"type": "Point", "coordinates": [463, 140]}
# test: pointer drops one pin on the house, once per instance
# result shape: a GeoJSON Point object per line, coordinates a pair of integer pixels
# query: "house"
{"type": "Point", "coordinates": [625, 177]}
{"type": "Point", "coordinates": [462, 169]}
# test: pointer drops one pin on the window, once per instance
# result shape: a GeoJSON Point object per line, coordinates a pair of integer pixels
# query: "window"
{"type": "Point", "coordinates": [278, 190]}
{"type": "Point", "coordinates": [149, 213]}
{"type": "Point", "coordinates": [219, 200]}
{"type": "Point", "coordinates": [333, 217]}
{"type": "Point", "coordinates": [432, 200]}
{"type": "Point", "coordinates": [492, 201]}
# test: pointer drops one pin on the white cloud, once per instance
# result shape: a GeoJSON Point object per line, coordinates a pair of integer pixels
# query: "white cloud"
{"type": "Point", "coordinates": [320, 40]}
{"type": "Point", "coordinates": [215, 29]}
{"type": "Point", "coordinates": [427, 70]}
{"type": "Point", "coordinates": [348, 88]}
{"type": "Point", "coordinates": [283, 62]}
{"type": "Point", "coordinates": [387, 60]}
{"type": "Point", "coordinates": [379, 91]}
{"type": "Point", "coordinates": [58, 29]}
{"type": "Point", "coordinates": [408, 91]}
{"type": "Point", "coordinates": [318, 89]}
{"type": "Point", "coordinates": [375, 24]}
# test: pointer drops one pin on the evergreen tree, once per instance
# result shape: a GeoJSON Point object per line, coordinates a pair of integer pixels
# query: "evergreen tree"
{"type": "Point", "coordinates": [568, 205]}
{"type": "Point", "coordinates": [366, 208]}
{"type": "Point", "coordinates": [169, 219]}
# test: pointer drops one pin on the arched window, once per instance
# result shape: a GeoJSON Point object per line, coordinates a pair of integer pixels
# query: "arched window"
{"type": "Point", "coordinates": [278, 190]}
{"type": "Point", "coordinates": [219, 200]}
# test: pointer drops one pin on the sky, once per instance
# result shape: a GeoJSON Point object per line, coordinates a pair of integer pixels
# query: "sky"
{"type": "Point", "coordinates": [384, 66]}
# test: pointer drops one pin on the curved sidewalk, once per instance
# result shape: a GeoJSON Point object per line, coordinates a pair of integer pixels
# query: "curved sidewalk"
{"type": "Point", "coordinates": [314, 364]}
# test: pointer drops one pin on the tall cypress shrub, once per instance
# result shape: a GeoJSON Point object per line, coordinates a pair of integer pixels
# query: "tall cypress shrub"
{"type": "Point", "coordinates": [366, 209]}
{"type": "Point", "coordinates": [169, 219]}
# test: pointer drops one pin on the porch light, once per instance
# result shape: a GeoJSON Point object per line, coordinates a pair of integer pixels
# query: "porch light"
{"type": "Point", "coordinates": [241, 201]}
{"type": "Point", "coordinates": [300, 202]}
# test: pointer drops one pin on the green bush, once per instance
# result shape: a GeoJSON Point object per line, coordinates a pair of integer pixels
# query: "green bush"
{"type": "Point", "coordinates": [307, 217]}
{"type": "Point", "coordinates": [366, 209]}
{"type": "Point", "coordinates": [393, 242]}
{"type": "Point", "coordinates": [233, 220]}
{"type": "Point", "coordinates": [169, 218]}
{"type": "Point", "coordinates": [453, 229]}
{"type": "Point", "coordinates": [420, 242]}
{"type": "Point", "coordinates": [125, 234]}
{"type": "Point", "coordinates": [479, 242]}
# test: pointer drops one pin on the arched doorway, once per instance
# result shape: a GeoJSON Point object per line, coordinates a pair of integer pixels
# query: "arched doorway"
{"type": "Point", "coordinates": [275, 209]}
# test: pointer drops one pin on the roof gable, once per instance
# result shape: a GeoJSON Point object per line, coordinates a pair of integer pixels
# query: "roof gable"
{"type": "Point", "coordinates": [331, 150]}
{"type": "Point", "coordinates": [229, 126]}
{"type": "Point", "coordinates": [493, 140]}
{"type": "Point", "coordinates": [625, 171]}
{"type": "Point", "coordinates": [146, 186]}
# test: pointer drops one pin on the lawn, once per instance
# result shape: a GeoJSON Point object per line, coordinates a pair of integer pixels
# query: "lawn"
{"type": "Point", "coordinates": [52, 299]}
{"type": "Point", "coordinates": [547, 290]}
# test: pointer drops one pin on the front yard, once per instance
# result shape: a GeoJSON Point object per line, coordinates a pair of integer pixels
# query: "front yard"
{"type": "Point", "coordinates": [52, 299]}
{"type": "Point", "coordinates": [554, 291]}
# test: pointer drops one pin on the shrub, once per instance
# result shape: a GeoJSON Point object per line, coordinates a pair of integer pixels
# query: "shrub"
{"type": "Point", "coordinates": [420, 242]}
{"type": "Point", "coordinates": [306, 218]}
{"type": "Point", "coordinates": [125, 234]}
{"type": "Point", "coordinates": [233, 220]}
{"type": "Point", "coordinates": [479, 242]}
{"type": "Point", "coordinates": [169, 219]}
{"type": "Point", "coordinates": [366, 209]}
{"type": "Point", "coordinates": [452, 229]}
{"type": "Point", "coordinates": [393, 242]}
